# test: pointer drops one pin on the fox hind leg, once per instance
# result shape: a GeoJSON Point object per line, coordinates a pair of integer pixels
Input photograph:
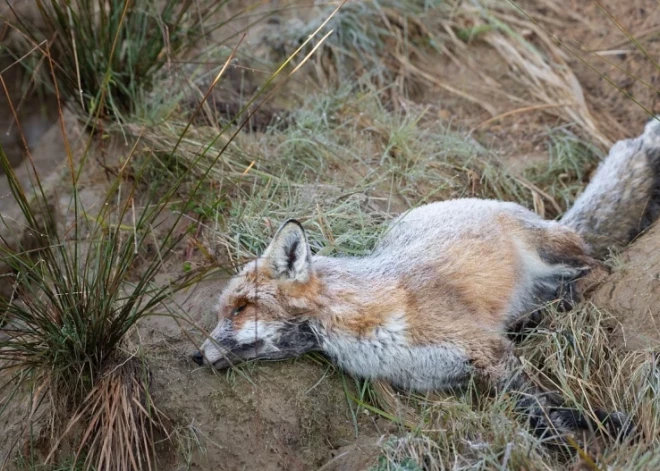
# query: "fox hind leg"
{"type": "Point", "coordinates": [572, 272]}
{"type": "Point", "coordinates": [563, 296]}
{"type": "Point", "coordinates": [550, 418]}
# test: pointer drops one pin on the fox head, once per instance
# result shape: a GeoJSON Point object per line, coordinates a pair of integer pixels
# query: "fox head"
{"type": "Point", "coordinates": [264, 311]}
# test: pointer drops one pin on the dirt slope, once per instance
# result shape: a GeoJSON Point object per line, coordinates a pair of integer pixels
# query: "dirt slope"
{"type": "Point", "coordinates": [632, 292]}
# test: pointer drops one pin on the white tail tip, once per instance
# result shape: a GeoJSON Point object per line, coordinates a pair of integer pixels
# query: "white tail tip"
{"type": "Point", "coordinates": [652, 132]}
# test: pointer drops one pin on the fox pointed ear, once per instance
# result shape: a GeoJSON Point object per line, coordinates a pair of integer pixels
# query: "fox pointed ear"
{"type": "Point", "coordinates": [288, 254]}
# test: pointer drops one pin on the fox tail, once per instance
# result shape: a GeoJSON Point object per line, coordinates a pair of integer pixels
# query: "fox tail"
{"type": "Point", "coordinates": [623, 197]}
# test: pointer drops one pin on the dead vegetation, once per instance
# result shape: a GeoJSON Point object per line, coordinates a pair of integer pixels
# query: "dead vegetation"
{"type": "Point", "coordinates": [117, 421]}
{"type": "Point", "coordinates": [577, 355]}
{"type": "Point", "coordinates": [403, 40]}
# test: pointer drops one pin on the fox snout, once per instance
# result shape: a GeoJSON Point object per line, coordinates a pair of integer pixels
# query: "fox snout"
{"type": "Point", "coordinates": [255, 340]}
{"type": "Point", "coordinates": [227, 346]}
{"type": "Point", "coordinates": [230, 357]}
{"type": "Point", "coordinates": [198, 358]}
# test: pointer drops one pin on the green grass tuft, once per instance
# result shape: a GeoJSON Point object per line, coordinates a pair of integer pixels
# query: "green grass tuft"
{"type": "Point", "coordinates": [343, 164]}
{"type": "Point", "coordinates": [566, 172]}
{"type": "Point", "coordinates": [72, 306]}
{"type": "Point", "coordinates": [107, 54]}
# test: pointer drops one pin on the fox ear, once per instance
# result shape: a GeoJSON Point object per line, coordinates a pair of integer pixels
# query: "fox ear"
{"type": "Point", "coordinates": [289, 255]}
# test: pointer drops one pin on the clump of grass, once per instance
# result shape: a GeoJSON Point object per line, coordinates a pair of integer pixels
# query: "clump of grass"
{"type": "Point", "coordinates": [78, 293]}
{"type": "Point", "coordinates": [395, 43]}
{"type": "Point", "coordinates": [461, 432]}
{"type": "Point", "coordinates": [369, 38]}
{"type": "Point", "coordinates": [543, 73]}
{"type": "Point", "coordinates": [581, 355]}
{"type": "Point", "coordinates": [408, 453]}
{"type": "Point", "coordinates": [81, 290]}
{"type": "Point", "coordinates": [344, 164]}
{"type": "Point", "coordinates": [120, 418]}
{"type": "Point", "coordinates": [72, 307]}
{"type": "Point", "coordinates": [546, 83]}
{"type": "Point", "coordinates": [107, 53]}
{"type": "Point", "coordinates": [336, 222]}
{"type": "Point", "coordinates": [546, 67]}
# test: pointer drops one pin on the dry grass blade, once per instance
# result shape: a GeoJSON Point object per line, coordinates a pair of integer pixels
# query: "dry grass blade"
{"type": "Point", "coordinates": [405, 62]}
{"type": "Point", "coordinates": [368, 39]}
{"type": "Point", "coordinates": [392, 403]}
{"type": "Point", "coordinates": [541, 68]}
{"type": "Point", "coordinates": [120, 421]}
{"type": "Point", "coordinates": [401, 38]}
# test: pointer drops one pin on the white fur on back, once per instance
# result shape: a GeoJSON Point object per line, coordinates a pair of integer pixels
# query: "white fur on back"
{"type": "Point", "coordinates": [427, 232]}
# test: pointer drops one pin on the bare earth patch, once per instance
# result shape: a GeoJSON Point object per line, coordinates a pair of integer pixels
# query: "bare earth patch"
{"type": "Point", "coordinates": [632, 292]}
{"type": "Point", "coordinates": [287, 416]}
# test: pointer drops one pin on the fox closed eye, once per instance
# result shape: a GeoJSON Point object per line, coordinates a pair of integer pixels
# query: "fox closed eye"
{"type": "Point", "coordinates": [237, 310]}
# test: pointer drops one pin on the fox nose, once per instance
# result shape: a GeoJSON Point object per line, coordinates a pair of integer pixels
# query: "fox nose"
{"type": "Point", "coordinates": [198, 358]}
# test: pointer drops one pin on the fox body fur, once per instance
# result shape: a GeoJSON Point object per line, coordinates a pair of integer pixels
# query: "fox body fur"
{"type": "Point", "coordinates": [431, 306]}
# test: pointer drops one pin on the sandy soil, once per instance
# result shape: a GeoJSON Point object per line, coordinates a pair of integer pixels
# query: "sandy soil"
{"type": "Point", "coordinates": [632, 292]}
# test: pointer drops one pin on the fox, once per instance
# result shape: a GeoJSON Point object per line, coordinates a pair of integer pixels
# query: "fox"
{"type": "Point", "coordinates": [430, 308]}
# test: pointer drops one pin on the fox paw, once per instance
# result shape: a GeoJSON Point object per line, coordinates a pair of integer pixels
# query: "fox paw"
{"type": "Point", "coordinates": [618, 425]}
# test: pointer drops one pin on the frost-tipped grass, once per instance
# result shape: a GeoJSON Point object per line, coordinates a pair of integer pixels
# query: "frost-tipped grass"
{"type": "Point", "coordinates": [344, 165]}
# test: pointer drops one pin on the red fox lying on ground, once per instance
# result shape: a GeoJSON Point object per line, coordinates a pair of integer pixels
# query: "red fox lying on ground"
{"type": "Point", "coordinates": [430, 307]}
